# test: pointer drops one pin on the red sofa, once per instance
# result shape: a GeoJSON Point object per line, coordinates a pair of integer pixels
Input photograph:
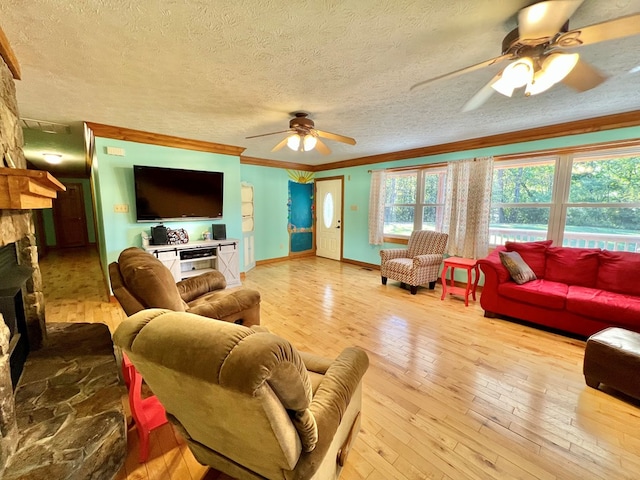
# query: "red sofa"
{"type": "Point", "coordinates": [577, 290]}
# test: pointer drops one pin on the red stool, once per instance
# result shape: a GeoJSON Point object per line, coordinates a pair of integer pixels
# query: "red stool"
{"type": "Point", "coordinates": [468, 264]}
{"type": "Point", "coordinates": [148, 413]}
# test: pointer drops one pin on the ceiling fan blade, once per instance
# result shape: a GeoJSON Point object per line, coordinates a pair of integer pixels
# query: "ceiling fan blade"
{"type": "Point", "coordinates": [280, 145]}
{"type": "Point", "coordinates": [272, 133]}
{"type": "Point", "coordinates": [601, 32]}
{"type": "Point", "coordinates": [481, 97]}
{"type": "Point", "coordinates": [335, 136]}
{"type": "Point", "coordinates": [584, 77]}
{"type": "Point", "coordinates": [544, 20]}
{"type": "Point", "coordinates": [471, 68]}
{"type": "Point", "coordinates": [321, 147]}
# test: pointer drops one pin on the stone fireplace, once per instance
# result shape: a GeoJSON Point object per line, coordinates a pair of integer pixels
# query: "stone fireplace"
{"type": "Point", "coordinates": [16, 229]}
{"type": "Point", "coordinates": [65, 417]}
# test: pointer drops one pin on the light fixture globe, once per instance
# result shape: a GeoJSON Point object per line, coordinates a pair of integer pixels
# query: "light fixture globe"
{"type": "Point", "coordinates": [293, 142]}
{"type": "Point", "coordinates": [309, 142]}
{"type": "Point", "coordinates": [52, 158]}
{"type": "Point", "coordinates": [554, 69]}
{"type": "Point", "coordinates": [515, 75]}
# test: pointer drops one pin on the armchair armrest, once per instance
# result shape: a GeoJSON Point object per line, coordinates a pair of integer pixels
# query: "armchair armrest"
{"type": "Point", "coordinates": [428, 259]}
{"type": "Point", "coordinates": [195, 287]}
{"type": "Point", "coordinates": [333, 396]}
{"type": "Point", "coordinates": [391, 253]}
{"type": "Point", "coordinates": [493, 269]}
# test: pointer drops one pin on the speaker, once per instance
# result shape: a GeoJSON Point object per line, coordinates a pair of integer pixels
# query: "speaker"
{"type": "Point", "coordinates": [219, 231]}
{"type": "Point", "coordinates": [159, 235]}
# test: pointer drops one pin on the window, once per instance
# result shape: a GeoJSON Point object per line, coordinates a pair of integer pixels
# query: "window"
{"type": "Point", "coordinates": [521, 200]}
{"type": "Point", "coordinates": [578, 200]}
{"type": "Point", "coordinates": [581, 200]}
{"type": "Point", "coordinates": [414, 201]}
{"type": "Point", "coordinates": [603, 208]}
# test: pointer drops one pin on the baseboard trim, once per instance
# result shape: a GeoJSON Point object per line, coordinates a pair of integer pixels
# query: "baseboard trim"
{"type": "Point", "coordinates": [272, 260]}
{"type": "Point", "coordinates": [358, 263]}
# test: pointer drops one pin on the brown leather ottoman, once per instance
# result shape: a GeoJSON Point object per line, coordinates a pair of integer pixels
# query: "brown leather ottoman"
{"type": "Point", "coordinates": [612, 357]}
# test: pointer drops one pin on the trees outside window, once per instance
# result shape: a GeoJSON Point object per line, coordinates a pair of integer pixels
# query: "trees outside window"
{"type": "Point", "coordinates": [579, 200]}
{"type": "Point", "coordinates": [590, 200]}
{"type": "Point", "coordinates": [414, 201]}
{"type": "Point", "coordinates": [603, 205]}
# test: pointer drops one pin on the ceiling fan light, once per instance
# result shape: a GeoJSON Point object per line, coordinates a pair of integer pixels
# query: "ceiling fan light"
{"type": "Point", "coordinates": [293, 142]}
{"type": "Point", "coordinates": [515, 75]}
{"type": "Point", "coordinates": [519, 73]}
{"type": "Point", "coordinates": [554, 68]}
{"type": "Point", "coordinates": [309, 142]}
{"type": "Point", "coordinates": [502, 86]}
{"type": "Point", "coordinates": [558, 65]}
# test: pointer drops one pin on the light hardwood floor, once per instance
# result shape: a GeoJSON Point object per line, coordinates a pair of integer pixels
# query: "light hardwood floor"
{"type": "Point", "coordinates": [449, 394]}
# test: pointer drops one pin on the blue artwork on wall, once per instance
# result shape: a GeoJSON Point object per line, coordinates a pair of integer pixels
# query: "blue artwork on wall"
{"type": "Point", "coordinates": [301, 216]}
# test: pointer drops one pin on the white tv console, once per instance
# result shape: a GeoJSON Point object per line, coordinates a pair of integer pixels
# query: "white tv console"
{"type": "Point", "coordinates": [200, 256]}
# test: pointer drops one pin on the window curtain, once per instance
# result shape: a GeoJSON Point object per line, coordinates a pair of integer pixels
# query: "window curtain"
{"type": "Point", "coordinates": [377, 197]}
{"type": "Point", "coordinates": [468, 206]}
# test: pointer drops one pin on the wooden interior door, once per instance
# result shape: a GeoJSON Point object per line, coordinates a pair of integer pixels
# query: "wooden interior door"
{"type": "Point", "coordinates": [69, 217]}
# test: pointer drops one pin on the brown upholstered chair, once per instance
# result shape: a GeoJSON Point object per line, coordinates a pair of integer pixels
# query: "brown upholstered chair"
{"type": "Point", "coordinates": [418, 264]}
{"type": "Point", "coordinates": [247, 403]}
{"type": "Point", "coordinates": [139, 281]}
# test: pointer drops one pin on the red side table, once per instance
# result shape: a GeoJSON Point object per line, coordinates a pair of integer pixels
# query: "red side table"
{"type": "Point", "coordinates": [468, 264]}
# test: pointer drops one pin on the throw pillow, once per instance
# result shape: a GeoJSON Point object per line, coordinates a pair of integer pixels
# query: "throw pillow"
{"type": "Point", "coordinates": [533, 253]}
{"type": "Point", "coordinates": [517, 267]}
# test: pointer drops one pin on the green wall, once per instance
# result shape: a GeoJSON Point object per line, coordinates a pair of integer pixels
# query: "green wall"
{"type": "Point", "coordinates": [357, 184]}
{"type": "Point", "coordinates": [113, 181]}
{"type": "Point", "coordinates": [271, 214]}
{"type": "Point", "coordinates": [113, 176]}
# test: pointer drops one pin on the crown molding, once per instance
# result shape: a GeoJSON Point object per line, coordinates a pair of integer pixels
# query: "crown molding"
{"type": "Point", "coordinates": [139, 136]}
{"type": "Point", "coordinates": [6, 52]}
{"type": "Point", "coordinates": [590, 125]}
{"type": "Point", "coordinates": [263, 162]}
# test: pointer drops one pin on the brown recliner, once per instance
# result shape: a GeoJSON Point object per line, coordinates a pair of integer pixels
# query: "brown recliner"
{"type": "Point", "coordinates": [246, 401]}
{"type": "Point", "coordinates": [140, 281]}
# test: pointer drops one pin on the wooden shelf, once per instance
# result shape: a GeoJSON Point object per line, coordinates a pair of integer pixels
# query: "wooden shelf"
{"type": "Point", "coordinates": [22, 189]}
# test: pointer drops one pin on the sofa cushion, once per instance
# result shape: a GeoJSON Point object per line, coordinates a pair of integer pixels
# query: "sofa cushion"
{"type": "Point", "coordinates": [614, 308]}
{"type": "Point", "coordinates": [518, 269]}
{"type": "Point", "coordinates": [541, 293]}
{"type": "Point", "coordinates": [618, 272]}
{"type": "Point", "coordinates": [573, 266]}
{"type": "Point", "coordinates": [533, 253]}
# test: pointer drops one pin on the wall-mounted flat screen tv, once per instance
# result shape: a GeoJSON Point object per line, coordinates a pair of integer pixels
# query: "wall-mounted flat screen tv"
{"type": "Point", "coordinates": [176, 194]}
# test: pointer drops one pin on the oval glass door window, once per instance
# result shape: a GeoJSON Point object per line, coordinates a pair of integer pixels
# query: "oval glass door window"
{"type": "Point", "coordinates": [327, 210]}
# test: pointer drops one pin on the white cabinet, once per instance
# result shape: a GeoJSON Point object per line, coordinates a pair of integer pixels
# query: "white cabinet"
{"type": "Point", "coordinates": [194, 258]}
{"type": "Point", "coordinates": [229, 263]}
{"type": "Point", "coordinates": [171, 261]}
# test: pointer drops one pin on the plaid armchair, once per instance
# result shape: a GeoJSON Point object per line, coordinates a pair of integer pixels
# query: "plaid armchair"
{"type": "Point", "coordinates": [418, 264]}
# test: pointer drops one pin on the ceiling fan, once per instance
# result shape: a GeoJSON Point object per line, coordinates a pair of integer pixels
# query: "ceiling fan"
{"type": "Point", "coordinates": [303, 136]}
{"type": "Point", "coordinates": [540, 52]}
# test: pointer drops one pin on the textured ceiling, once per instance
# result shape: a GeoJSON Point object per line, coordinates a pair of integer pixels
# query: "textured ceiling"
{"type": "Point", "coordinates": [221, 71]}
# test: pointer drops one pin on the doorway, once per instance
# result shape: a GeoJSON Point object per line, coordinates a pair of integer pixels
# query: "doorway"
{"type": "Point", "coordinates": [329, 228]}
{"type": "Point", "coordinates": [69, 217]}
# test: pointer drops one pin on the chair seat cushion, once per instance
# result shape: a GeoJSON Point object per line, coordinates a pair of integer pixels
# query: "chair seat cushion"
{"type": "Point", "coordinates": [400, 266]}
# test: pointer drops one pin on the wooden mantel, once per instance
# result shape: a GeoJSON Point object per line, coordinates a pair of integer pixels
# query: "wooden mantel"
{"type": "Point", "coordinates": [22, 189]}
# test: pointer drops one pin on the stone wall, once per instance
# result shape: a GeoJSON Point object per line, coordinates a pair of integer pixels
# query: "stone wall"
{"type": "Point", "coordinates": [16, 226]}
